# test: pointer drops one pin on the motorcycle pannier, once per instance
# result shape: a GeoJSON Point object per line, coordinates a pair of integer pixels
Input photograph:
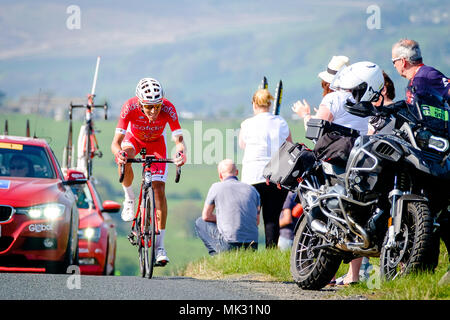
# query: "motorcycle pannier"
{"type": "Point", "coordinates": [316, 128]}
{"type": "Point", "coordinates": [333, 141]}
{"type": "Point", "coordinates": [288, 164]}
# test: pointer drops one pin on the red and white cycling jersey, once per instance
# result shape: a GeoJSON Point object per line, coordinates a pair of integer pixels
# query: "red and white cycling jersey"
{"type": "Point", "coordinates": [133, 119]}
{"type": "Point", "coordinates": [140, 132]}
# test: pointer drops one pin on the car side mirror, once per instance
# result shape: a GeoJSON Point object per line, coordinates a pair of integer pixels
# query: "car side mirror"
{"type": "Point", "coordinates": [73, 182]}
{"type": "Point", "coordinates": [111, 206]}
{"type": "Point", "coordinates": [361, 109]}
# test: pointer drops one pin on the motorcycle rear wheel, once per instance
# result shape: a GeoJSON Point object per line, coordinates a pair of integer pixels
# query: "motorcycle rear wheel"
{"type": "Point", "coordinates": [311, 269]}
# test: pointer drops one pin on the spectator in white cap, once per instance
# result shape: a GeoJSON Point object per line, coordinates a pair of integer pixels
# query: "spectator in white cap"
{"type": "Point", "coordinates": [336, 63]}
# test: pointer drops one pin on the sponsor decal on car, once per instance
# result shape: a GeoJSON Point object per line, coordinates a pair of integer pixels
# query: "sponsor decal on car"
{"type": "Point", "coordinates": [39, 227]}
{"type": "Point", "coordinates": [4, 184]}
{"type": "Point", "coordinates": [13, 146]}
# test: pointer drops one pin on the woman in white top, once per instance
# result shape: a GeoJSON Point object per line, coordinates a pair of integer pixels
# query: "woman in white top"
{"type": "Point", "coordinates": [358, 82]}
{"type": "Point", "coordinates": [361, 81]}
{"type": "Point", "coordinates": [260, 137]}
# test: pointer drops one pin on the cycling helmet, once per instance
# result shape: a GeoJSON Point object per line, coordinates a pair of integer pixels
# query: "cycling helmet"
{"type": "Point", "coordinates": [149, 91]}
{"type": "Point", "coordinates": [363, 79]}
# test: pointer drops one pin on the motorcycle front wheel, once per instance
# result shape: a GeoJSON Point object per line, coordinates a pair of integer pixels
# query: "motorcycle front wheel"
{"type": "Point", "coordinates": [311, 269]}
{"type": "Point", "coordinates": [415, 245]}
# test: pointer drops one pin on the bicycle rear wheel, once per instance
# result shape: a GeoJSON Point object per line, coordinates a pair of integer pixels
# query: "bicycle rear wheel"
{"type": "Point", "coordinates": [149, 235]}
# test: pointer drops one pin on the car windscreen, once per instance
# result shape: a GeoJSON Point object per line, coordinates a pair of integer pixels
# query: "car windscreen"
{"type": "Point", "coordinates": [84, 197]}
{"type": "Point", "coordinates": [18, 160]}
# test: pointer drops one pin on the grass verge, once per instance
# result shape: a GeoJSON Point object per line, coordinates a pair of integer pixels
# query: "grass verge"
{"type": "Point", "coordinates": [266, 265]}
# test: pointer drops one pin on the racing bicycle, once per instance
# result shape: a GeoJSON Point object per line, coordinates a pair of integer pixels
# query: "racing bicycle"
{"type": "Point", "coordinates": [87, 141]}
{"type": "Point", "coordinates": [145, 227]}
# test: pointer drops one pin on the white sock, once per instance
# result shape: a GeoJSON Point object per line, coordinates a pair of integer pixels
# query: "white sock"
{"type": "Point", "coordinates": [129, 193]}
{"type": "Point", "coordinates": [160, 238]}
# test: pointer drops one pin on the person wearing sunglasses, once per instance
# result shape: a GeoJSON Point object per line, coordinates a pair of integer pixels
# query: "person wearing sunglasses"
{"type": "Point", "coordinates": [141, 124]}
{"type": "Point", "coordinates": [20, 166]}
{"type": "Point", "coordinates": [407, 60]}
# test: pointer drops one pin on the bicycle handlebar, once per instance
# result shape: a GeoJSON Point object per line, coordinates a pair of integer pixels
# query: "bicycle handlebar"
{"type": "Point", "coordinates": [148, 160]}
{"type": "Point", "coordinates": [73, 106]}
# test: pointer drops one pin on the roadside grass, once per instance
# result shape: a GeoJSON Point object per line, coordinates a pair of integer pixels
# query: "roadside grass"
{"type": "Point", "coordinates": [273, 265]}
{"type": "Point", "coordinates": [414, 286]}
{"type": "Point", "coordinates": [265, 265]}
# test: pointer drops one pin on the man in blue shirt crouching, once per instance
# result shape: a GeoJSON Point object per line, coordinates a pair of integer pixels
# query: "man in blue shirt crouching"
{"type": "Point", "coordinates": [230, 216]}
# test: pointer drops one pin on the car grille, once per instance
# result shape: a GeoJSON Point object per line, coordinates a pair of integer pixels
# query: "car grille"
{"type": "Point", "coordinates": [6, 213]}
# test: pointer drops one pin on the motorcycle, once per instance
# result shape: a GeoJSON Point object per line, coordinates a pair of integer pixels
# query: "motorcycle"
{"type": "Point", "coordinates": [384, 203]}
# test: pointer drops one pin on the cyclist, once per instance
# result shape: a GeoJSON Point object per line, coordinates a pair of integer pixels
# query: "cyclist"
{"type": "Point", "coordinates": [141, 124]}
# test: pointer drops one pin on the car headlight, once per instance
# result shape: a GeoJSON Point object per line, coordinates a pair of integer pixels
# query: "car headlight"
{"type": "Point", "coordinates": [49, 211]}
{"type": "Point", "coordinates": [91, 234]}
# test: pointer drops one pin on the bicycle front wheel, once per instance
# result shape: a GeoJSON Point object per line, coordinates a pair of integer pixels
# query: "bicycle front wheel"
{"type": "Point", "coordinates": [88, 159]}
{"type": "Point", "coordinates": [149, 229]}
{"type": "Point", "coordinates": [140, 243]}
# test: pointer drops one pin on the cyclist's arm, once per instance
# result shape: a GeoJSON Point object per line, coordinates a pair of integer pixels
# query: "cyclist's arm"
{"type": "Point", "coordinates": [208, 213]}
{"type": "Point", "coordinates": [121, 129]}
{"type": "Point", "coordinates": [180, 147]}
{"type": "Point", "coordinates": [116, 143]}
{"type": "Point", "coordinates": [179, 143]}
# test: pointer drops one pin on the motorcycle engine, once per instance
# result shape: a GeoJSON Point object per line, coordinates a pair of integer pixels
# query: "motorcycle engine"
{"type": "Point", "coordinates": [361, 181]}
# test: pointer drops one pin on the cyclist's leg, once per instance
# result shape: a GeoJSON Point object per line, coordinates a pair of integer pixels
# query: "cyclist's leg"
{"type": "Point", "coordinates": [160, 203]}
{"type": "Point", "coordinates": [159, 175]}
{"type": "Point", "coordinates": [131, 147]}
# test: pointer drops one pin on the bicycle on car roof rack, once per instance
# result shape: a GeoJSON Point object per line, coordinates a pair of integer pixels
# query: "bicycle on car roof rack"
{"type": "Point", "coordinates": [87, 141]}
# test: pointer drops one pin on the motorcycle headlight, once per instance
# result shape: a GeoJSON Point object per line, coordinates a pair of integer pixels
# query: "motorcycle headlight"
{"type": "Point", "coordinates": [50, 211]}
{"type": "Point", "coordinates": [438, 143]}
{"type": "Point", "coordinates": [90, 234]}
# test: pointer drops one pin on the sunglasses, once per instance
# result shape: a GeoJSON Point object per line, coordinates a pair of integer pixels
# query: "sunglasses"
{"type": "Point", "coordinates": [17, 167]}
{"type": "Point", "coordinates": [395, 59]}
{"type": "Point", "coordinates": [150, 107]}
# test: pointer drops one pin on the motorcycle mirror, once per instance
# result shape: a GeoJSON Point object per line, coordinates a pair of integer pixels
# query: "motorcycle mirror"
{"type": "Point", "coordinates": [392, 108]}
{"type": "Point", "coordinates": [361, 109]}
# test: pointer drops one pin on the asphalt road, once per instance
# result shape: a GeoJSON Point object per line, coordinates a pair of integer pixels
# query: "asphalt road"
{"type": "Point", "coordinates": [161, 297]}
{"type": "Point", "coordinates": [22, 286]}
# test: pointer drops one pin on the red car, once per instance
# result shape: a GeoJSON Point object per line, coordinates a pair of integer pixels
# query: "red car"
{"type": "Point", "coordinates": [97, 232]}
{"type": "Point", "coordinates": [38, 212]}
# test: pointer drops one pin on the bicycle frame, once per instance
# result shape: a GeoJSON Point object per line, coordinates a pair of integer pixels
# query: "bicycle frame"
{"type": "Point", "coordinates": [142, 230]}
{"type": "Point", "coordinates": [146, 186]}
